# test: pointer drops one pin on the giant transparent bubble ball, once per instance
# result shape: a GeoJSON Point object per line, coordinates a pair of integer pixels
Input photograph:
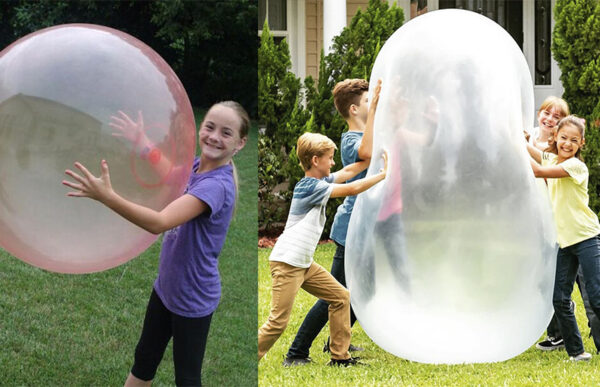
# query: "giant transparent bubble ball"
{"type": "Point", "coordinates": [451, 259]}
{"type": "Point", "coordinates": [59, 88]}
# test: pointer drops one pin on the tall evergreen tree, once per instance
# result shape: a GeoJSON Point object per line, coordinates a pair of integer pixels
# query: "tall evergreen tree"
{"type": "Point", "coordinates": [283, 118]}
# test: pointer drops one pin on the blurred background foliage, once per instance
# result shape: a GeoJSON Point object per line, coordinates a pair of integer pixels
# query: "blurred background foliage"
{"type": "Point", "coordinates": [210, 44]}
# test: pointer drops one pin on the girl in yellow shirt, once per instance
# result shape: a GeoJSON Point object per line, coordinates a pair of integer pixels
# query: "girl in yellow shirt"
{"type": "Point", "coordinates": [577, 226]}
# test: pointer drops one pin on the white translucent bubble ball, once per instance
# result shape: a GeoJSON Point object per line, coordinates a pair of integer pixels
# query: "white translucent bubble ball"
{"type": "Point", "coordinates": [451, 259]}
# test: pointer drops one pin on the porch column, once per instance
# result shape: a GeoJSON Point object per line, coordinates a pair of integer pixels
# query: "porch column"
{"type": "Point", "coordinates": [334, 21]}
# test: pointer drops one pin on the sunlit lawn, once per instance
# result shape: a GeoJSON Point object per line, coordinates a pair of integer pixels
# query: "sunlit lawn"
{"type": "Point", "coordinates": [531, 368]}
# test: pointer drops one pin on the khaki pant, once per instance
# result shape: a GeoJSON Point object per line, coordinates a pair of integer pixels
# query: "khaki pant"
{"type": "Point", "coordinates": [287, 280]}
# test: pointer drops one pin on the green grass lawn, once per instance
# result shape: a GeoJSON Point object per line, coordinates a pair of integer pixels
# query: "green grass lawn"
{"type": "Point", "coordinates": [531, 368]}
{"type": "Point", "coordinates": [81, 330]}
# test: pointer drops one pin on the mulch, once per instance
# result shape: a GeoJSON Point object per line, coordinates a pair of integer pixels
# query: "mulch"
{"type": "Point", "coordinates": [266, 242]}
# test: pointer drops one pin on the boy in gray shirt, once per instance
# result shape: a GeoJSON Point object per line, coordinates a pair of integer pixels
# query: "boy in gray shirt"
{"type": "Point", "coordinates": [291, 260]}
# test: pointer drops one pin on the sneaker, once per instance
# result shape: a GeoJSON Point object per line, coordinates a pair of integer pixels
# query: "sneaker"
{"type": "Point", "coordinates": [354, 348]}
{"type": "Point", "coordinates": [551, 344]}
{"type": "Point", "coordinates": [353, 361]}
{"type": "Point", "coordinates": [296, 361]}
{"type": "Point", "coordinates": [351, 348]}
{"type": "Point", "coordinates": [581, 357]}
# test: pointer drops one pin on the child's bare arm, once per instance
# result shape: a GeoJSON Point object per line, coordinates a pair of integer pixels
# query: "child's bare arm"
{"type": "Point", "coordinates": [366, 145]}
{"type": "Point", "coordinates": [351, 170]}
{"type": "Point", "coordinates": [551, 172]}
{"type": "Point", "coordinates": [361, 185]}
{"type": "Point", "coordinates": [177, 212]}
{"type": "Point", "coordinates": [535, 153]}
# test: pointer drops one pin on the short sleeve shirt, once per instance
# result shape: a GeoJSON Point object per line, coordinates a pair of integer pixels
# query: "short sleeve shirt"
{"type": "Point", "coordinates": [349, 153]}
{"type": "Point", "coordinates": [575, 221]}
{"type": "Point", "coordinates": [296, 245]}
{"type": "Point", "coordinates": [188, 281]}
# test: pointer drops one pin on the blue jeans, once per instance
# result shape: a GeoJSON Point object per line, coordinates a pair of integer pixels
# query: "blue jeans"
{"type": "Point", "coordinates": [593, 321]}
{"type": "Point", "coordinates": [587, 255]}
{"type": "Point", "coordinates": [553, 330]}
{"type": "Point", "coordinates": [317, 317]}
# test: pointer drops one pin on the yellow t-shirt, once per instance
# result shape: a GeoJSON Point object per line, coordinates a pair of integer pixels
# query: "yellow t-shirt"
{"type": "Point", "coordinates": [575, 221]}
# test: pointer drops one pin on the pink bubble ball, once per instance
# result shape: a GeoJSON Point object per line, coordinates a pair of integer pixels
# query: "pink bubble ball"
{"type": "Point", "coordinates": [59, 88]}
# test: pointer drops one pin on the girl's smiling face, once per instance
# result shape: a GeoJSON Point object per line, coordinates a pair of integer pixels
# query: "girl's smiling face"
{"type": "Point", "coordinates": [548, 118]}
{"type": "Point", "coordinates": [219, 134]}
{"type": "Point", "coordinates": [568, 141]}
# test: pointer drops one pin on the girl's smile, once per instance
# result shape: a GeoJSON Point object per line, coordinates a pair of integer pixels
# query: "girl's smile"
{"type": "Point", "coordinates": [568, 142]}
{"type": "Point", "coordinates": [219, 135]}
{"type": "Point", "coordinates": [549, 118]}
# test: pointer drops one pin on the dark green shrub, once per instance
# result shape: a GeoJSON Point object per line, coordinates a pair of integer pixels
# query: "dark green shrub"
{"type": "Point", "coordinates": [282, 118]}
{"type": "Point", "coordinates": [576, 48]}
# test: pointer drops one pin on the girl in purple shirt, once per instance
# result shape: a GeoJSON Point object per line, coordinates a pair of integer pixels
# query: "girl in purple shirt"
{"type": "Point", "coordinates": [187, 289]}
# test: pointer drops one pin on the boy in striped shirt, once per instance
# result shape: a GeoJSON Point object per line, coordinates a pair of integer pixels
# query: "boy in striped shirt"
{"type": "Point", "coordinates": [291, 260]}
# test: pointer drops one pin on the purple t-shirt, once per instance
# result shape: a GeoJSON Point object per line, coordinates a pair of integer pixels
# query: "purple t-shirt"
{"type": "Point", "coordinates": [188, 281]}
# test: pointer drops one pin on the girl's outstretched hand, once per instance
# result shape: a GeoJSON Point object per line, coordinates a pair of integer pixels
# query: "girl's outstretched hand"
{"type": "Point", "coordinates": [129, 129]}
{"type": "Point", "coordinates": [88, 185]}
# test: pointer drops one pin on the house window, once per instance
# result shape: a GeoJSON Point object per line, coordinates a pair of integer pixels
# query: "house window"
{"type": "Point", "coordinates": [275, 12]}
{"type": "Point", "coordinates": [543, 31]}
{"type": "Point", "coordinates": [507, 13]}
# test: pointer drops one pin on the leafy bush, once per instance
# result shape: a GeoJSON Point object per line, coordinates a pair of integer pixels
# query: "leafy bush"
{"type": "Point", "coordinates": [576, 48]}
{"type": "Point", "coordinates": [282, 118]}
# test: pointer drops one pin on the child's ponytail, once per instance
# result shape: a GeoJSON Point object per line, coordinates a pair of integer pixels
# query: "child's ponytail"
{"type": "Point", "coordinates": [236, 183]}
{"type": "Point", "coordinates": [244, 129]}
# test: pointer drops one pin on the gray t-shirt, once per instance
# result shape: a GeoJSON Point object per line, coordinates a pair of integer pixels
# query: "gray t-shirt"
{"type": "Point", "coordinates": [296, 245]}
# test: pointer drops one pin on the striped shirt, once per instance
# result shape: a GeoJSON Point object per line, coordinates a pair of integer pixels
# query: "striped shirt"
{"type": "Point", "coordinates": [296, 245]}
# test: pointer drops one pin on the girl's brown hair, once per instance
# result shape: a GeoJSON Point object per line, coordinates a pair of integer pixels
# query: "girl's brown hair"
{"type": "Point", "coordinates": [244, 129]}
{"type": "Point", "coordinates": [555, 102]}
